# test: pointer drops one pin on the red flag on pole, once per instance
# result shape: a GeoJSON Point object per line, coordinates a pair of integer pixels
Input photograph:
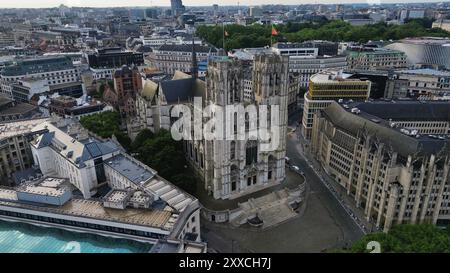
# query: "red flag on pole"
{"type": "Point", "coordinates": [274, 31]}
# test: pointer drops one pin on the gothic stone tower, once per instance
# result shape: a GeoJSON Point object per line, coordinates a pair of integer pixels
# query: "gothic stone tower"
{"type": "Point", "coordinates": [233, 168]}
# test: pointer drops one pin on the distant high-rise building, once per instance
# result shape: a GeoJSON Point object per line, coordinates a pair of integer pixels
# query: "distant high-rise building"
{"type": "Point", "coordinates": [216, 9]}
{"type": "Point", "coordinates": [177, 7]}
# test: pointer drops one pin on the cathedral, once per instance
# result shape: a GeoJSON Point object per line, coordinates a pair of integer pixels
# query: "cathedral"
{"type": "Point", "coordinates": [228, 168]}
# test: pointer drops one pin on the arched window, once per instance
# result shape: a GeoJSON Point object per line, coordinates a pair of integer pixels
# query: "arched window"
{"type": "Point", "coordinates": [251, 152]}
{"type": "Point", "coordinates": [232, 150]}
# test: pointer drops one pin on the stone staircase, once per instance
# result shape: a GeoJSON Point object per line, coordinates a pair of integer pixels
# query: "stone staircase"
{"type": "Point", "coordinates": [272, 208]}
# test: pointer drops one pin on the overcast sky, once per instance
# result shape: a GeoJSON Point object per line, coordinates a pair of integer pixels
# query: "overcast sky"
{"type": "Point", "coordinates": [118, 3]}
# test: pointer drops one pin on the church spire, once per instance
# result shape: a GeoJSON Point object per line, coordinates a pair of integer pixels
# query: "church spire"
{"type": "Point", "coordinates": [194, 69]}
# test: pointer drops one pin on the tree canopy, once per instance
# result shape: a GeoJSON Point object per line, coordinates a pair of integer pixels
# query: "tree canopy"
{"type": "Point", "coordinates": [423, 238]}
{"type": "Point", "coordinates": [258, 35]}
{"type": "Point", "coordinates": [166, 156]}
{"type": "Point", "coordinates": [105, 125]}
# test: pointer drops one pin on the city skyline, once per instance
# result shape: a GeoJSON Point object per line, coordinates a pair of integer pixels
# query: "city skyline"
{"type": "Point", "coordinates": [233, 126]}
{"type": "Point", "coordinates": [166, 3]}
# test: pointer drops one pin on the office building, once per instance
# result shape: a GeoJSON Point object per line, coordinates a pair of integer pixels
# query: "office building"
{"type": "Point", "coordinates": [329, 86]}
{"type": "Point", "coordinates": [53, 70]}
{"type": "Point", "coordinates": [392, 158]}
{"type": "Point", "coordinates": [418, 83]}
{"type": "Point", "coordinates": [375, 59]}
{"type": "Point", "coordinates": [255, 11]}
{"type": "Point", "coordinates": [177, 7]}
{"type": "Point", "coordinates": [178, 57]}
{"type": "Point", "coordinates": [305, 59]}
{"type": "Point", "coordinates": [309, 58]}
{"type": "Point", "coordinates": [104, 62]}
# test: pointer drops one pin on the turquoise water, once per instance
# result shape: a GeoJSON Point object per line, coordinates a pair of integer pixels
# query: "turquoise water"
{"type": "Point", "coordinates": [24, 238]}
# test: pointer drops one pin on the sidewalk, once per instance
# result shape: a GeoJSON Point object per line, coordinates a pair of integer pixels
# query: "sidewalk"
{"type": "Point", "coordinates": [337, 190]}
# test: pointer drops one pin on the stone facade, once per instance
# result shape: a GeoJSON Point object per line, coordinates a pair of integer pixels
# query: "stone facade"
{"type": "Point", "coordinates": [396, 175]}
{"type": "Point", "coordinates": [232, 168]}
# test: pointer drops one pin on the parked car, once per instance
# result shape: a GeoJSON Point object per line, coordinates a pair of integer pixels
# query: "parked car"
{"type": "Point", "coordinates": [288, 160]}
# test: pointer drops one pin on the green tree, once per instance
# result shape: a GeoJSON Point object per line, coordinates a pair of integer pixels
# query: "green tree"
{"type": "Point", "coordinates": [423, 238]}
{"type": "Point", "coordinates": [166, 156]}
{"type": "Point", "coordinates": [140, 139]}
{"type": "Point", "coordinates": [337, 30]}
{"type": "Point", "coordinates": [105, 125]}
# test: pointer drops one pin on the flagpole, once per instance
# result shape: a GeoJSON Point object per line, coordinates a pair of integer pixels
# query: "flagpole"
{"type": "Point", "coordinates": [271, 36]}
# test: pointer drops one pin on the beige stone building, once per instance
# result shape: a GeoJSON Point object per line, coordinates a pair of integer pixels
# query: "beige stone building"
{"type": "Point", "coordinates": [392, 158]}
{"type": "Point", "coordinates": [15, 153]}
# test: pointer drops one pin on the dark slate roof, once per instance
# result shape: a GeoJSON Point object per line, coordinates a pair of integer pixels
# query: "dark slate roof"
{"type": "Point", "coordinates": [403, 144]}
{"type": "Point", "coordinates": [46, 139]}
{"type": "Point", "coordinates": [143, 49]}
{"type": "Point", "coordinates": [407, 110]}
{"type": "Point", "coordinates": [96, 149]}
{"type": "Point", "coordinates": [27, 174]}
{"type": "Point", "coordinates": [187, 48]}
{"type": "Point", "coordinates": [177, 90]}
